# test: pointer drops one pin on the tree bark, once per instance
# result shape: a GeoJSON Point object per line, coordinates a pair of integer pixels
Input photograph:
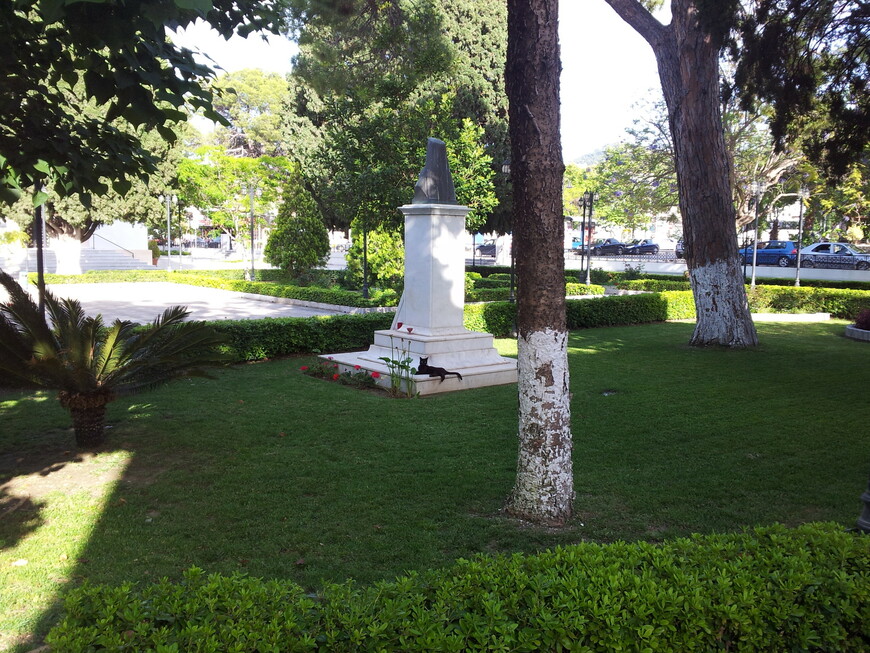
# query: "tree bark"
{"type": "Point", "coordinates": [544, 488]}
{"type": "Point", "coordinates": [88, 412]}
{"type": "Point", "coordinates": [688, 63]}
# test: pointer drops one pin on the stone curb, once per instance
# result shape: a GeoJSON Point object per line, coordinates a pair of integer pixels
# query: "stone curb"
{"type": "Point", "coordinates": [855, 333]}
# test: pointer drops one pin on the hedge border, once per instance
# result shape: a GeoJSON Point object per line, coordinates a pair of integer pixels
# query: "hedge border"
{"type": "Point", "coordinates": [764, 589]}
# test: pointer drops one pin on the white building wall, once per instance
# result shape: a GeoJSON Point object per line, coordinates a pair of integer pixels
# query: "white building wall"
{"type": "Point", "coordinates": [118, 235]}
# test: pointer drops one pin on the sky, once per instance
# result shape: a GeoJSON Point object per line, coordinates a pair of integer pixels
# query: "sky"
{"type": "Point", "coordinates": [606, 69]}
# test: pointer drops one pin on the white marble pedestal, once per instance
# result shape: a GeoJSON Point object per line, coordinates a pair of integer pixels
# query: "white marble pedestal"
{"type": "Point", "coordinates": [429, 319]}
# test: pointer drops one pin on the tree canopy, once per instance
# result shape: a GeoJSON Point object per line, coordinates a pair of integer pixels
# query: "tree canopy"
{"type": "Point", "coordinates": [810, 60]}
{"type": "Point", "coordinates": [367, 94]}
{"type": "Point", "coordinates": [120, 54]}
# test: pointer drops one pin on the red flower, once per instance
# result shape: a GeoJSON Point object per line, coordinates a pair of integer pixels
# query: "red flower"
{"type": "Point", "coordinates": [356, 367]}
{"type": "Point", "coordinates": [376, 375]}
{"type": "Point", "coordinates": [335, 377]}
{"type": "Point", "coordinates": [303, 368]}
{"type": "Point", "coordinates": [399, 325]}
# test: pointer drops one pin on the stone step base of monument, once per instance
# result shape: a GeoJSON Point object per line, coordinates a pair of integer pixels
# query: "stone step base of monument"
{"type": "Point", "coordinates": [469, 353]}
{"type": "Point", "coordinates": [472, 377]}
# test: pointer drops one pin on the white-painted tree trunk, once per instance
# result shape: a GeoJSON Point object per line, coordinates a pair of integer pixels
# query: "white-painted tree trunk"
{"type": "Point", "coordinates": [68, 250]}
{"type": "Point", "coordinates": [544, 488]}
{"type": "Point", "coordinates": [721, 306]}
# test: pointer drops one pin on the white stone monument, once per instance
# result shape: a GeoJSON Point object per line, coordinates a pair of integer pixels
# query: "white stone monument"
{"type": "Point", "coordinates": [429, 318]}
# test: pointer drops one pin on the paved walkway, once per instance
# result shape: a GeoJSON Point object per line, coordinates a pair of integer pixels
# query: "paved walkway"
{"type": "Point", "coordinates": [142, 302]}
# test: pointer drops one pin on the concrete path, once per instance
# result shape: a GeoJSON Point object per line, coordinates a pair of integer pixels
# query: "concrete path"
{"type": "Point", "coordinates": [142, 302]}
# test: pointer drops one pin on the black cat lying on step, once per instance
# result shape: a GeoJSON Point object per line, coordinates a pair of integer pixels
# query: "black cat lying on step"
{"type": "Point", "coordinates": [425, 368]}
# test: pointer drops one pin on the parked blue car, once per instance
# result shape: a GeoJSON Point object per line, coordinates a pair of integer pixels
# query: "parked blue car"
{"type": "Point", "coordinates": [774, 252]}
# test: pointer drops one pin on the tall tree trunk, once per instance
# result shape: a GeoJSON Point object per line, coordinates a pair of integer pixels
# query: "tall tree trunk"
{"type": "Point", "coordinates": [544, 489]}
{"type": "Point", "coordinates": [688, 63]}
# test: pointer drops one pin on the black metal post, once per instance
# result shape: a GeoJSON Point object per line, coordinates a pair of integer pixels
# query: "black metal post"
{"type": "Point", "coordinates": [756, 188]}
{"type": "Point", "coordinates": [251, 197]}
{"type": "Point", "coordinates": [365, 287]}
{"type": "Point", "coordinates": [39, 236]}
{"type": "Point", "coordinates": [802, 195]}
{"type": "Point", "coordinates": [590, 197]}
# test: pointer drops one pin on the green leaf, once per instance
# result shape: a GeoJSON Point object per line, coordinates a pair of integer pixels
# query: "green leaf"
{"type": "Point", "coordinates": [39, 198]}
{"type": "Point", "coordinates": [122, 186]}
{"type": "Point", "coordinates": [203, 6]}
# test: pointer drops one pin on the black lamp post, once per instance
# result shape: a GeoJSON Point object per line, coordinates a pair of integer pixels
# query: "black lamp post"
{"type": "Point", "coordinates": [589, 198]}
{"type": "Point", "coordinates": [757, 190]}
{"type": "Point", "coordinates": [250, 275]}
{"type": "Point", "coordinates": [365, 287]}
{"type": "Point", "coordinates": [169, 199]}
{"type": "Point", "coordinates": [803, 194]}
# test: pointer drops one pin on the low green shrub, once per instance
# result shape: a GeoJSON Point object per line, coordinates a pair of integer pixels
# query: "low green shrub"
{"type": "Point", "coordinates": [653, 285]}
{"type": "Point", "coordinates": [617, 310]}
{"type": "Point", "coordinates": [489, 270]}
{"type": "Point", "coordinates": [499, 318]}
{"type": "Point", "coordinates": [767, 589]}
{"type": "Point", "coordinates": [271, 337]}
{"type": "Point", "coordinates": [840, 303]}
{"type": "Point", "coordinates": [487, 294]}
{"type": "Point", "coordinates": [492, 281]}
{"type": "Point", "coordinates": [582, 289]}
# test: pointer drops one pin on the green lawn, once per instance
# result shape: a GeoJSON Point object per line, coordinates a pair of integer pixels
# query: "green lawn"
{"type": "Point", "coordinates": [282, 475]}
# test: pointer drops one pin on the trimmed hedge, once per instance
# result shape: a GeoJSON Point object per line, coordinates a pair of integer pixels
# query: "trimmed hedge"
{"type": "Point", "coordinates": [271, 337]}
{"type": "Point", "coordinates": [767, 589]}
{"type": "Point", "coordinates": [499, 318]}
{"type": "Point", "coordinates": [654, 285]}
{"type": "Point", "coordinates": [845, 304]}
{"type": "Point", "coordinates": [840, 303]}
{"type": "Point", "coordinates": [572, 288]}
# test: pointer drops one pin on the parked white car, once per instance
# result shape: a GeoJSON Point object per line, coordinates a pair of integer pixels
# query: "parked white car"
{"type": "Point", "coordinates": [834, 255]}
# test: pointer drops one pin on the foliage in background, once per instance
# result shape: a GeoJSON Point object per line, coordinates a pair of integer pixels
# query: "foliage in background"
{"type": "Point", "coordinates": [366, 96]}
{"type": "Point", "coordinates": [385, 256]}
{"type": "Point", "coordinates": [68, 215]}
{"type": "Point", "coordinates": [298, 240]}
{"type": "Point", "coordinates": [808, 59]}
{"type": "Point", "coordinates": [121, 54]}
{"type": "Point", "coordinates": [219, 185]}
{"type": "Point", "coordinates": [253, 102]}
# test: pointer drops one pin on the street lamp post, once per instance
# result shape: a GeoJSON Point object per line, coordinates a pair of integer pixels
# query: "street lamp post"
{"type": "Point", "coordinates": [365, 288]}
{"type": "Point", "coordinates": [588, 202]}
{"type": "Point", "coordinates": [169, 199]}
{"type": "Point", "coordinates": [251, 202]}
{"type": "Point", "coordinates": [757, 190]}
{"type": "Point", "coordinates": [803, 194]}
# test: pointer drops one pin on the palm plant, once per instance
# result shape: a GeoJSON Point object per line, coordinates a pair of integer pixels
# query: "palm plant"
{"type": "Point", "coordinates": [90, 364]}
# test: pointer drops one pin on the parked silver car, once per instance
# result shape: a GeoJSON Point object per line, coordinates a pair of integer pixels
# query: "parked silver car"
{"type": "Point", "coordinates": [834, 255]}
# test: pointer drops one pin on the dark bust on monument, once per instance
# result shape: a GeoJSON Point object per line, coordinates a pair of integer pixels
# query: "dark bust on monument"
{"type": "Point", "coordinates": [435, 185]}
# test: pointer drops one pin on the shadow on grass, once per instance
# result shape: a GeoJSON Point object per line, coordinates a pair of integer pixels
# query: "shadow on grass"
{"type": "Point", "coordinates": [278, 475]}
